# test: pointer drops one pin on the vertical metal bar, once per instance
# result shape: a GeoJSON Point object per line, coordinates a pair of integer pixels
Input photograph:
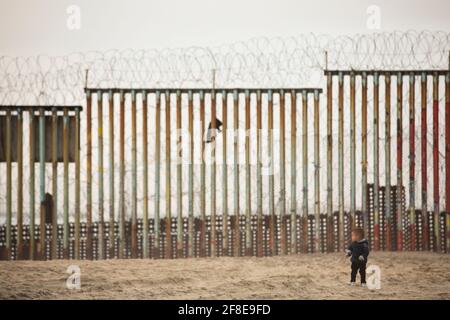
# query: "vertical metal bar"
{"type": "Point", "coordinates": [248, 216]}
{"type": "Point", "coordinates": [145, 173]}
{"type": "Point", "coordinates": [376, 162]}
{"type": "Point", "coordinates": [364, 153]}
{"type": "Point", "coordinates": [329, 147]}
{"type": "Point", "coordinates": [341, 160]}
{"type": "Point", "coordinates": [54, 183]}
{"type": "Point", "coordinates": [224, 176]}
{"type": "Point", "coordinates": [293, 172]}
{"type": "Point", "coordinates": [66, 182]}
{"type": "Point", "coordinates": [191, 174]}
{"type": "Point", "coordinates": [282, 212]}
{"type": "Point", "coordinates": [305, 153]}
{"type": "Point", "coordinates": [32, 185]}
{"type": "Point", "coordinates": [447, 157]}
{"type": "Point", "coordinates": [89, 174]}
{"type": "Point", "coordinates": [157, 219]}
{"type": "Point", "coordinates": [179, 181]}
{"type": "Point", "coordinates": [134, 239]}
{"type": "Point", "coordinates": [259, 190]}
{"type": "Point", "coordinates": [437, 242]}
{"type": "Point", "coordinates": [168, 253]}
{"type": "Point", "coordinates": [202, 178]}
{"type": "Point", "coordinates": [77, 184]}
{"type": "Point", "coordinates": [399, 162]}
{"type": "Point", "coordinates": [20, 184]}
{"type": "Point", "coordinates": [317, 170]}
{"type": "Point", "coordinates": [42, 182]}
{"type": "Point", "coordinates": [122, 177]}
{"type": "Point", "coordinates": [412, 162]}
{"type": "Point", "coordinates": [111, 176]}
{"type": "Point", "coordinates": [423, 162]}
{"type": "Point", "coordinates": [101, 214]}
{"type": "Point", "coordinates": [273, 244]}
{"type": "Point", "coordinates": [8, 185]}
{"type": "Point", "coordinates": [213, 238]}
{"type": "Point", "coordinates": [237, 234]}
{"type": "Point", "coordinates": [388, 162]}
{"type": "Point", "coordinates": [352, 149]}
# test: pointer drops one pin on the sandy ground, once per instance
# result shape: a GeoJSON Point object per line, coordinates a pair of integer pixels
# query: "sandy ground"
{"type": "Point", "coordinates": [318, 276]}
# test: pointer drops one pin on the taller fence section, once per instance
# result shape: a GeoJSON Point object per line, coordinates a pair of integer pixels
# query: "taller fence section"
{"type": "Point", "coordinates": [40, 138]}
{"type": "Point", "coordinates": [214, 180]}
{"type": "Point", "coordinates": [389, 210]}
{"type": "Point", "coordinates": [207, 172]}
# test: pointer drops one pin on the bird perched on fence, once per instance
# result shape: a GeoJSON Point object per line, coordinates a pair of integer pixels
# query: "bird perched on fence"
{"type": "Point", "coordinates": [210, 136]}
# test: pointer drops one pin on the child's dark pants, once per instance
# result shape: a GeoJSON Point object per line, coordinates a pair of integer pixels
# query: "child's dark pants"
{"type": "Point", "coordinates": [361, 266]}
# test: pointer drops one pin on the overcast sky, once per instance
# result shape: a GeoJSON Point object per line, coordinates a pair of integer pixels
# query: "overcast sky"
{"type": "Point", "coordinates": [30, 27]}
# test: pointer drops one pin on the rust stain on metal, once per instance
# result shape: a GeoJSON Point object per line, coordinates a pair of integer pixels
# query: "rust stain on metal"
{"type": "Point", "coordinates": [437, 242]}
{"type": "Point", "coordinates": [9, 186]}
{"type": "Point", "coordinates": [213, 239]}
{"type": "Point", "coordinates": [364, 162]}
{"type": "Point", "coordinates": [134, 235]}
{"type": "Point", "coordinates": [191, 226]}
{"type": "Point", "coordinates": [272, 241]}
{"type": "Point", "coordinates": [329, 155]}
{"type": "Point", "coordinates": [293, 172]}
{"type": "Point", "coordinates": [66, 184]}
{"type": "Point", "coordinates": [376, 163]}
{"type": "Point", "coordinates": [179, 180]}
{"type": "Point", "coordinates": [111, 176]}
{"type": "Point", "coordinates": [77, 185]}
{"type": "Point", "coordinates": [202, 178]}
{"type": "Point", "coordinates": [122, 240]}
{"type": "Point", "coordinates": [157, 218]}
{"type": "Point", "coordinates": [399, 207]}
{"type": "Point", "coordinates": [224, 175]}
{"type": "Point", "coordinates": [168, 251]}
{"type": "Point", "coordinates": [54, 184]}
{"type": "Point", "coordinates": [423, 137]}
{"type": "Point", "coordinates": [259, 186]}
{"type": "Point", "coordinates": [352, 148]}
{"type": "Point", "coordinates": [342, 235]}
{"type": "Point", "coordinates": [282, 200]}
{"type": "Point", "coordinates": [20, 240]}
{"type": "Point", "coordinates": [248, 233]}
{"type": "Point", "coordinates": [145, 225]}
{"type": "Point", "coordinates": [101, 213]}
{"type": "Point", "coordinates": [237, 232]}
{"type": "Point", "coordinates": [89, 253]}
{"type": "Point", "coordinates": [447, 157]}
{"type": "Point", "coordinates": [412, 163]}
{"type": "Point", "coordinates": [388, 209]}
{"type": "Point", "coordinates": [31, 186]}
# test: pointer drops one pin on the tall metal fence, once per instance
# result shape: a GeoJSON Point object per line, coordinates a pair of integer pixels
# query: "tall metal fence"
{"type": "Point", "coordinates": [177, 216]}
{"type": "Point", "coordinates": [399, 228]}
{"type": "Point", "coordinates": [274, 167]}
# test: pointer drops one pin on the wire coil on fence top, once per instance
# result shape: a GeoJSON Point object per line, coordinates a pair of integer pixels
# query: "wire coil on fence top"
{"type": "Point", "coordinates": [128, 91]}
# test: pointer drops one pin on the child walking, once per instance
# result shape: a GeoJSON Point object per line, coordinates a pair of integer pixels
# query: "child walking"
{"type": "Point", "coordinates": [358, 250]}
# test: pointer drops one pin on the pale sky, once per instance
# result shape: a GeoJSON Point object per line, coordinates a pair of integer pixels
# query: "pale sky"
{"type": "Point", "coordinates": [31, 27]}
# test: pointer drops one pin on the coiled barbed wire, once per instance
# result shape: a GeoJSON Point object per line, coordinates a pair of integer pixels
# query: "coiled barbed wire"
{"type": "Point", "coordinates": [259, 62]}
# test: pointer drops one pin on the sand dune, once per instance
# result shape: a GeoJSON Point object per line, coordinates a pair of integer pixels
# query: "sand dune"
{"type": "Point", "coordinates": [318, 276]}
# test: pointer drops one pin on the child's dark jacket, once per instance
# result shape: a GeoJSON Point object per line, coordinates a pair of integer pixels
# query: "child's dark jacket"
{"type": "Point", "coordinates": [359, 248]}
